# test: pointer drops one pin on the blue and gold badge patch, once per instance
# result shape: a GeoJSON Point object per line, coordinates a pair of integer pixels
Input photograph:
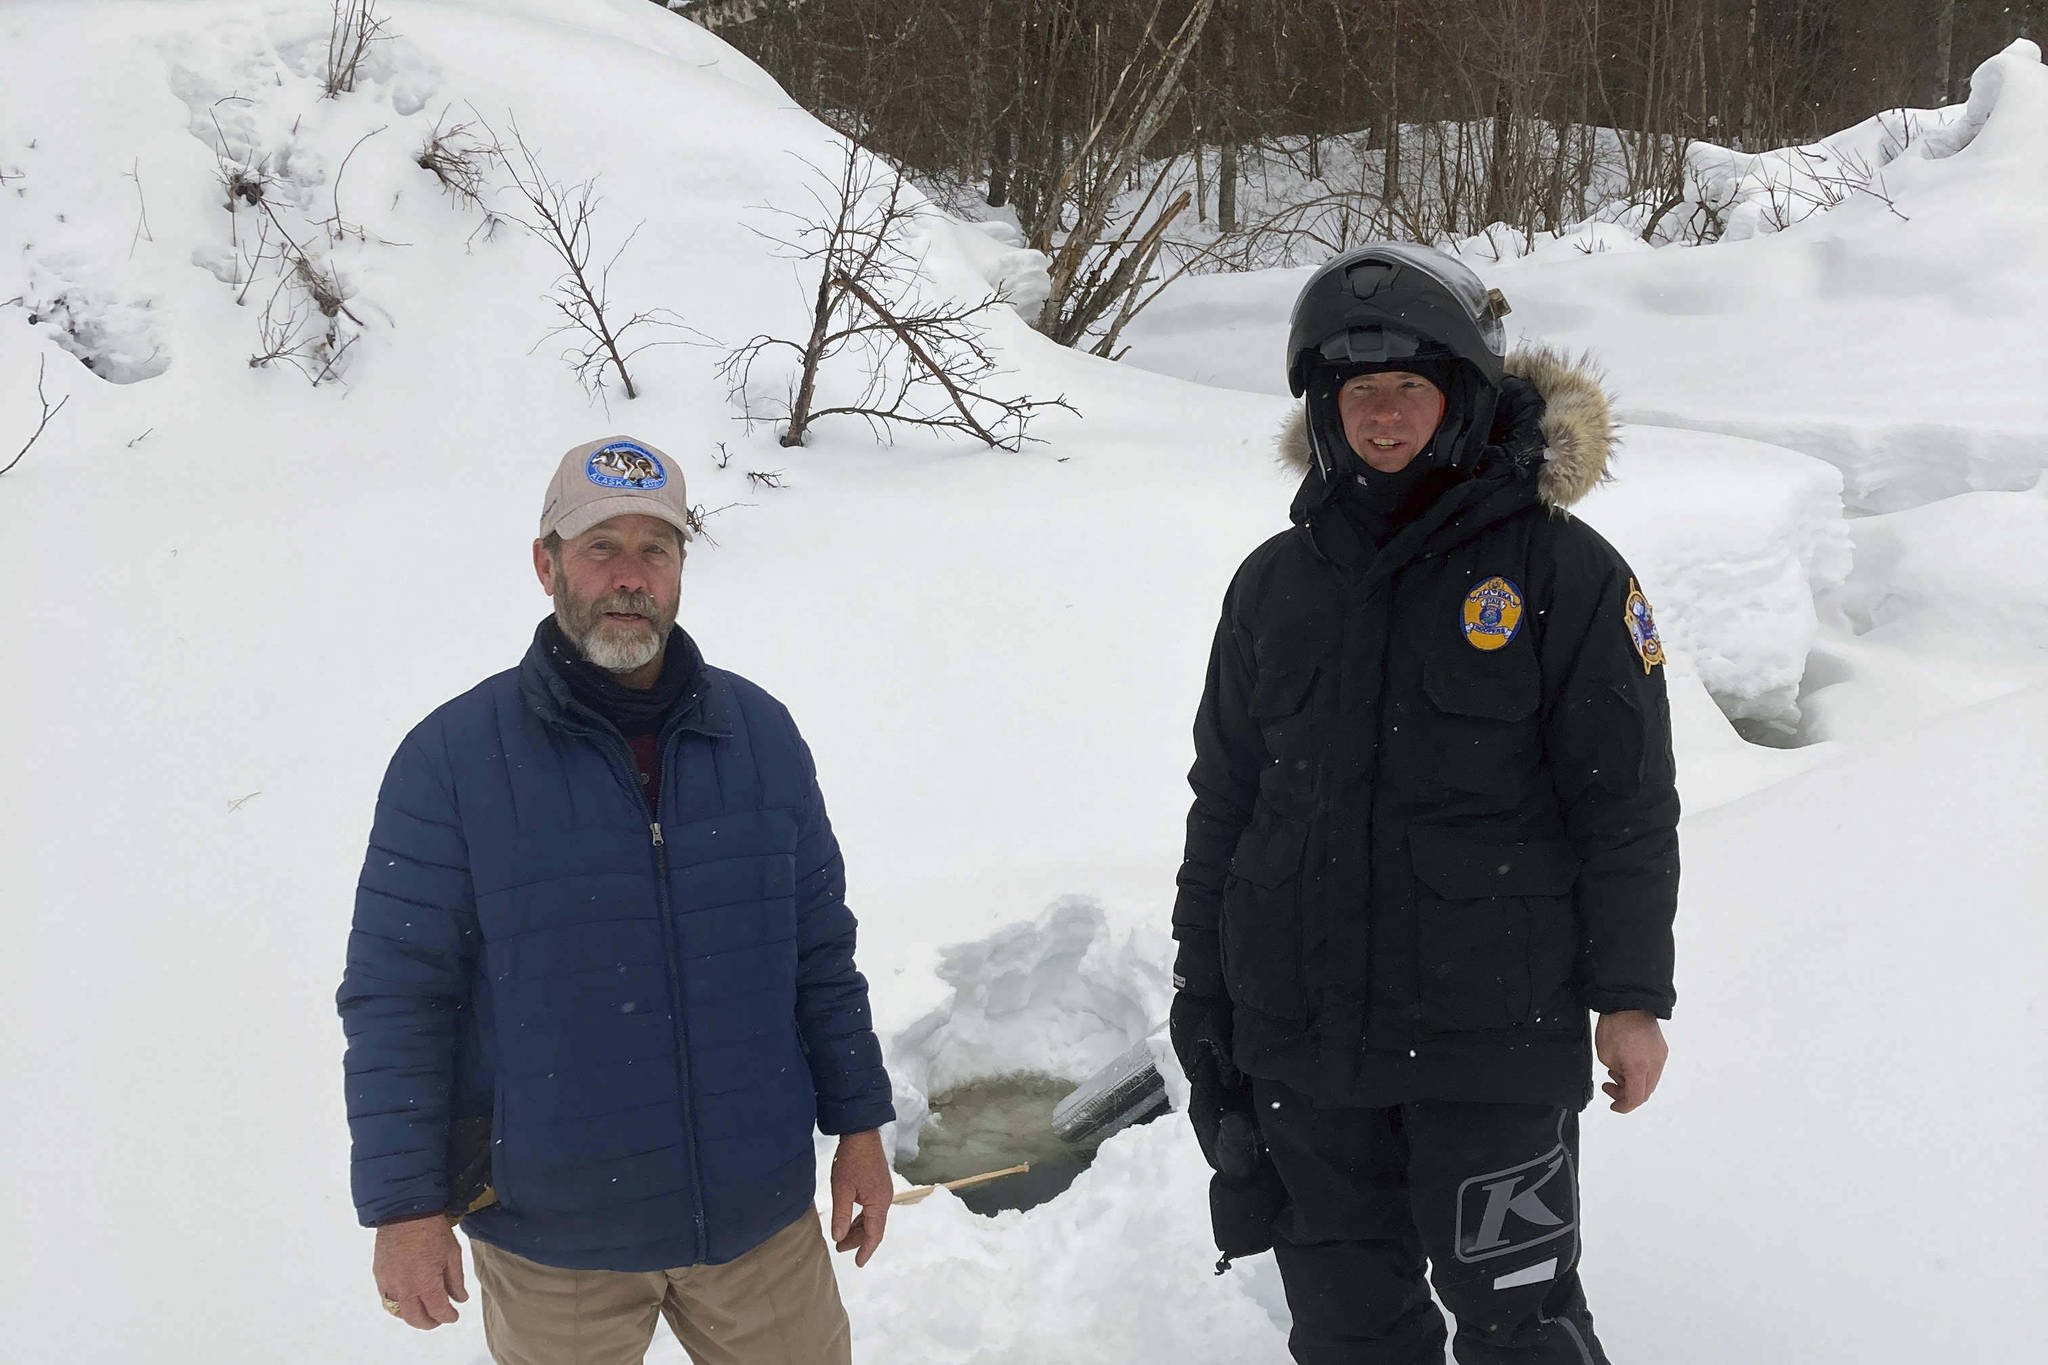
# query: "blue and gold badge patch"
{"type": "Point", "coordinates": [1642, 627]}
{"type": "Point", "coordinates": [1492, 614]}
{"type": "Point", "coordinates": [624, 464]}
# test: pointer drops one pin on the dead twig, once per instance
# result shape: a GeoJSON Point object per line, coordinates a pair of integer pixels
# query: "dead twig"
{"type": "Point", "coordinates": [338, 226]}
{"type": "Point", "coordinates": [142, 232]}
{"type": "Point", "coordinates": [49, 412]}
{"type": "Point", "coordinates": [698, 514]}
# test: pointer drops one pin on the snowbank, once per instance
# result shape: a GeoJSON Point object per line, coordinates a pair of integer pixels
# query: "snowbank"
{"type": "Point", "coordinates": [1978, 562]}
{"type": "Point", "coordinates": [1732, 540]}
{"type": "Point", "coordinates": [1947, 606]}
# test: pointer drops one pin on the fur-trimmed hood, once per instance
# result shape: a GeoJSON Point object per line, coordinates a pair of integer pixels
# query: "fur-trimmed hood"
{"type": "Point", "coordinates": [1579, 428]}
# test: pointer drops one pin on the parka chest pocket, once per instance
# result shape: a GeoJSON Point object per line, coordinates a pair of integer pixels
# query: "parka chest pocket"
{"type": "Point", "coordinates": [1279, 705]}
{"type": "Point", "coordinates": [1483, 722]}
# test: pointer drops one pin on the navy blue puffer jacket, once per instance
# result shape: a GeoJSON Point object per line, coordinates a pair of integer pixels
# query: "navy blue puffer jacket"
{"type": "Point", "coordinates": [653, 1015]}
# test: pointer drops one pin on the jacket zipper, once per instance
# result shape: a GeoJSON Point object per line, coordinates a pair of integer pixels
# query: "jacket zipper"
{"type": "Point", "coordinates": [675, 972]}
{"type": "Point", "coordinates": [675, 983]}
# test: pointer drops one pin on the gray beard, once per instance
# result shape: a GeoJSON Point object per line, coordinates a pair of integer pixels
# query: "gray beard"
{"type": "Point", "coordinates": [619, 651]}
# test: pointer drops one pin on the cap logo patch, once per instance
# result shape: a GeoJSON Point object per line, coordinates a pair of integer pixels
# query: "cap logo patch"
{"type": "Point", "coordinates": [1492, 614]}
{"type": "Point", "coordinates": [1642, 627]}
{"type": "Point", "coordinates": [623, 464]}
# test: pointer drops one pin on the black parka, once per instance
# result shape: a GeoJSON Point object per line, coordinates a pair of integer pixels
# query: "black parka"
{"type": "Point", "coordinates": [1434, 819]}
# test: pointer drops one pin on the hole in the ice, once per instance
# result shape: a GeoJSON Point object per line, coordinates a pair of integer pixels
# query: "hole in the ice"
{"type": "Point", "coordinates": [998, 1121]}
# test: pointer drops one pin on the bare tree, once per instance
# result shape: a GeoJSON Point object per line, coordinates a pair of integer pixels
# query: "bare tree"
{"type": "Point", "coordinates": [925, 364]}
{"type": "Point", "coordinates": [48, 413]}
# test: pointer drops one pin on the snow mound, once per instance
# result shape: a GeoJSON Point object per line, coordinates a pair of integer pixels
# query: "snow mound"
{"type": "Point", "coordinates": [1732, 540]}
{"type": "Point", "coordinates": [1947, 607]}
{"type": "Point", "coordinates": [1115, 1271]}
{"type": "Point", "coordinates": [1977, 562]}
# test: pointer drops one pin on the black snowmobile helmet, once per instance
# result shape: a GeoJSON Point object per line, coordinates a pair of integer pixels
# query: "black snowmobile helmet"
{"type": "Point", "coordinates": [1378, 305]}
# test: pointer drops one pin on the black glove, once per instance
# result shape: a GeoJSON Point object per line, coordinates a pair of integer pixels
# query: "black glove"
{"type": "Point", "coordinates": [1217, 1091]}
{"type": "Point", "coordinates": [1518, 422]}
{"type": "Point", "coordinates": [1245, 1194]}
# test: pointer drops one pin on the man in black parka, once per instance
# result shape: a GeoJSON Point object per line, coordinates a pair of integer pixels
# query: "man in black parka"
{"type": "Point", "coordinates": [1434, 826]}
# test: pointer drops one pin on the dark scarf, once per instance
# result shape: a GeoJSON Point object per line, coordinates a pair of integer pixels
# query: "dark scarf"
{"type": "Point", "coordinates": [1379, 504]}
{"type": "Point", "coordinates": [634, 710]}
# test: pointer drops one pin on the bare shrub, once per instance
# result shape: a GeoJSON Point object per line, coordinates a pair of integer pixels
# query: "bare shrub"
{"type": "Point", "coordinates": [300, 327]}
{"type": "Point", "coordinates": [560, 215]}
{"type": "Point", "coordinates": [355, 27]}
{"type": "Point", "coordinates": [459, 159]}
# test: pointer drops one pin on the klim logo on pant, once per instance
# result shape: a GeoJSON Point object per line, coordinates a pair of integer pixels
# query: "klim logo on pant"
{"type": "Point", "coordinates": [1503, 1212]}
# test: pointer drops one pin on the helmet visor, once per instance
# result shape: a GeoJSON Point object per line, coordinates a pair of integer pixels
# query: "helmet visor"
{"type": "Point", "coordinates": [1355, 345]}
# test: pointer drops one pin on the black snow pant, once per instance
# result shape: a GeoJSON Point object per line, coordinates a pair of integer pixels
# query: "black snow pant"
{"type": "Point", "coordinates": [1486, 1194]}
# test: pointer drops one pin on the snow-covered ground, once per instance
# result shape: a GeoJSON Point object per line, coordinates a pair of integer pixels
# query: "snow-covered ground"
{"type": "Point", "coordinates": [235, 591]}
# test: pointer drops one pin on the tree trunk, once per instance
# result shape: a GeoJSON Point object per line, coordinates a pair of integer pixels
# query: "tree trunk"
{"type": "Point", "coordinates": [1390, 164]}
{"type": "Point", "coordinates": [1497, 208]}
{"type": "Point", "coordinates": [1748, 141]}
{"type": "Point", "coordinates": [1226, 185]}
{"type": "Point", "coordinates": [1941, 82]}
{"type": "Point", "coordinates": [977, 78]}
{"type": "Point", "coordinates": [1226, 157]}
{"type": "Point", "coordinates": [999, 167]}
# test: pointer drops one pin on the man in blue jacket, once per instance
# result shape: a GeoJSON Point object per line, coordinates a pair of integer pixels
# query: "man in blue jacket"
{"type": "Point", "coordinates": [602, 958]}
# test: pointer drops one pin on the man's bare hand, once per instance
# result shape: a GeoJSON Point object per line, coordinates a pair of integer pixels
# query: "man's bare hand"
{"type": "Point", "coordinates": [860, 1175]}
{"type": "Point", "coordinates": [418, 1264]}
{"type": "Point", "coordinates": [1630, 1044]}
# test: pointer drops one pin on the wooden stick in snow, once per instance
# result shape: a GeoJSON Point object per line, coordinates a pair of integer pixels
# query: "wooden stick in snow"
{"type": "Point", "coordinates": [924, 1192]}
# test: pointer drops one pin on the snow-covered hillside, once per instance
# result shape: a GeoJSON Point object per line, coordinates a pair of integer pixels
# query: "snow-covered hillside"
{"type": "Point", "coordinates": [234, 592]}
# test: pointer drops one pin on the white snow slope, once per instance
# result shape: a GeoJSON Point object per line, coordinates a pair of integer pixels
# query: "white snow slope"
{"type": "Point", "coordinates": [233, 593]}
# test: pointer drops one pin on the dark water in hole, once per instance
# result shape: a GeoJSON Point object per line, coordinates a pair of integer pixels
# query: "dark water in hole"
{"type": "Point", "coordinates": [988, 1124]}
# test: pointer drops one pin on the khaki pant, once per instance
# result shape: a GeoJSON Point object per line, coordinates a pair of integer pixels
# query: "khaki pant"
{"type": "Point", "coordinates": [776, 1305]}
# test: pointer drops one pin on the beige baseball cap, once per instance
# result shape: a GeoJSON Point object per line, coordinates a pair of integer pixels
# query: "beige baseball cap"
{"type": "Point", "coordinates": [613, 477]}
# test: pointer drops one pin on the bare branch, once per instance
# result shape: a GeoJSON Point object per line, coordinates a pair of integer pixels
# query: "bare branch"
{"type": "Point", "coordinates": [48, 413]}
{"type": "Point", "coordinates": [142, 232]}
